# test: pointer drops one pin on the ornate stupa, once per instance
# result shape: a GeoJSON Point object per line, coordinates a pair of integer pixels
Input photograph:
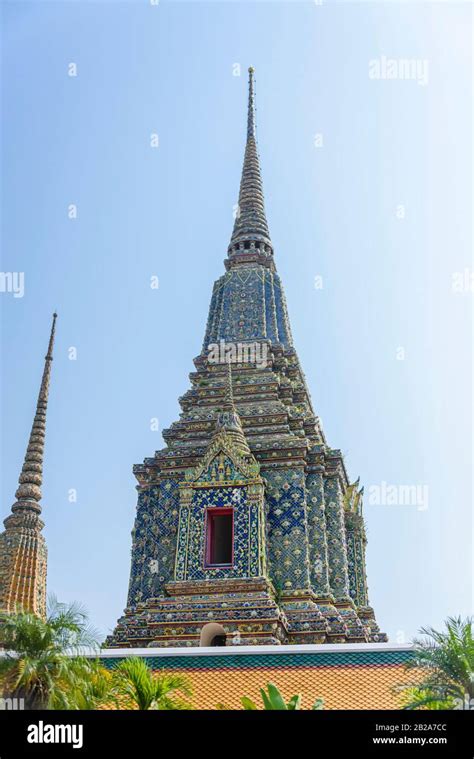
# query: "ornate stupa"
{"type": "Point", "coordinates": [248, 529]}
{"type": "Point", "coordinates": [23, 553]}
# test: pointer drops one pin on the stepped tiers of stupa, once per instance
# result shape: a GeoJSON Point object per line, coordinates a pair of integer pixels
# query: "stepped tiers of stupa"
{"type": "Point", "coordinates": [248, 529]}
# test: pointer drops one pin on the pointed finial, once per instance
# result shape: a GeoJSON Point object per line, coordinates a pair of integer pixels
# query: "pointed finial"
{"type": "Point", "coordinates": [49, 354]}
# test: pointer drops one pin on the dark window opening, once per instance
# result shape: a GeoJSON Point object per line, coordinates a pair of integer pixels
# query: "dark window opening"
{"type": "Point", "coordinates": [220, 528]}
{"type": "Point", "coordinates": [218, 640]}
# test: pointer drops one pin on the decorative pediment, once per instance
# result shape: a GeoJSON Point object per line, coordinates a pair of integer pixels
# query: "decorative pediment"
{"type": "Point", "coordinates": [223, 464]}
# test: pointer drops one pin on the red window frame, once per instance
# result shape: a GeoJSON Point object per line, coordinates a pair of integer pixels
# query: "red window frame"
{"type": "Point", "coordinates": [211, 515]}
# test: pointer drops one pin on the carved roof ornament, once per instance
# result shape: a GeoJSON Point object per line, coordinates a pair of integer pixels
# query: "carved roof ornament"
{"type": "Point", "coordinates": [229, 438]}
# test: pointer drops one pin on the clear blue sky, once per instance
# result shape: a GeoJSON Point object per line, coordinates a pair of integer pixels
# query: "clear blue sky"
{"type": "Point", "coordinates": [332, 211]}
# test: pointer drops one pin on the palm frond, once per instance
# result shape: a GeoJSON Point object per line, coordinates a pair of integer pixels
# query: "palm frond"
{"type": "Point", "coordinates": [135, 682]}
{"type": "Point", "coordinates": [43, 657]}
{"type": "Point", "coordinates": [446, 658]}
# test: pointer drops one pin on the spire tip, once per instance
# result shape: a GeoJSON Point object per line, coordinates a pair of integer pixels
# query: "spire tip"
{"type": "Point", "coordinates": [49, 354]}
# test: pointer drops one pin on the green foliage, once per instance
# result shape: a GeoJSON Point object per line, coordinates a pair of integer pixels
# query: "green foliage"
{"type": "Point", "coordinates": [418, 698]}
{"type": "Point", "coordinates": [135, 686]}
{"type": "Point", "coordinates": [274, 701]}
{"type": "Point", "coordinates": [447, 660]}
{"type": "Point", "coordinates": [293, 703]}
{"type": "Point", "coordinates": [248, 704]}
{"type": "Point", "coordinates": [44, 663]}
{"type": "Point", "coordinates": [87, 686]}
{"type": "Point", "coordinates": [43, 660]}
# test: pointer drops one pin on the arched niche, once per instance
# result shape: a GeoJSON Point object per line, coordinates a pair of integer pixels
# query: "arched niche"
{"type": "Point", "coordinates": [212, 634]}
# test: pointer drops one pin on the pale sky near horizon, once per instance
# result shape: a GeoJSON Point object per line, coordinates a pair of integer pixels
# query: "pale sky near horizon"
{"type": "Point", "coordinates": [368, 186]}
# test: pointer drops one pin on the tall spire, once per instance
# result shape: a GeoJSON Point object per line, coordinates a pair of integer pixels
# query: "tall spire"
{"type": "Point", "coordinates": [23, 553]}
{"type": "Point", "coordinates": [250, 239]}
{"type": "Point", "coordinates": [28, 493]}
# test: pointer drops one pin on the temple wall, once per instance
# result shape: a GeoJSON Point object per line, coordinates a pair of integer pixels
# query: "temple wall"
{"type": "Point", "coordinates": [317, 537]}
{"type": "Point", "coordinates": [287, 547]}
{"type": "Point", "coordinates": [336, 538]}
{"type": "Point", "coordinates": [154, 541]}
{"type": "Point", "coordinates": [23, 566]}
{"type": "Point", "coordinates": [248, 304]}
{"type": "Point", "coordinates": [355, 539]}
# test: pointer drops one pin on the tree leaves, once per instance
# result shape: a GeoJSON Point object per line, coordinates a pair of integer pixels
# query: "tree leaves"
{"type": "Point", "coordinates": [274, 701]}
